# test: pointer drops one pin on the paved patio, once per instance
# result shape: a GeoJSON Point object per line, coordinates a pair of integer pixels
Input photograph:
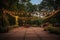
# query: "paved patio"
{"type": "Point", "coordinates": [31, 33]}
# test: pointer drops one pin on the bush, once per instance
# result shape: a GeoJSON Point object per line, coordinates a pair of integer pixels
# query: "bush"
{"type": "Point", "coordinates": [5, 22]}
{"type": "Point", "coordinates": [51, 29]}
{"type": "Point", "coordinates": [34, 25]}
{"type": "Point", "coordinates": [11, 19]}
{"type": "Point", "coordinates": [4, 29]}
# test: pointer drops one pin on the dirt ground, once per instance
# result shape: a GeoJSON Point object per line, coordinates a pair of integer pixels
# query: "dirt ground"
{"type": "Point", "coordinates": [31, 33]}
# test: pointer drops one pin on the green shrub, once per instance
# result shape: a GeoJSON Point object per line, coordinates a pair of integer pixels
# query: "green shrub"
{"type": "Point", "coordinates": [11, 19]}
{"type": "Point", "coordinates": [4, 29]}
{"type": "Point", "coordinates": [5, 22]}
{"type": "Point", "coordinates": [55, 30]}
{"type": "Point", "coordinates": [34, 25]}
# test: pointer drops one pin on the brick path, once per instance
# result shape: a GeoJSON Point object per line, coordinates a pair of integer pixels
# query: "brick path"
{"type": "Point", "coordinates": [31, 33]}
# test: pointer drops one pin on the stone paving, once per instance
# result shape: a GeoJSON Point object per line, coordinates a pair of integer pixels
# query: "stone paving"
{"type": "Point", "coordinates": [31, 33]}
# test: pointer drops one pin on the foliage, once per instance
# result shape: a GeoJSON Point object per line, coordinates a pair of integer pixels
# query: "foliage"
{"type": "Point", "coordinates": [25, 0]}
{"type": "Point", "coordinates": [4, 29]}
{"type": "Point", "coordinates": [36, 22]}
{"type": "Point", "coordinates": [54, 30]}
{"type": "Point", "coordinates": [6, 21]}
{"type": "Point", "coordinates": [20, 22]}
{"type": "Point", "coordinates": [53, 3]}
{"type": "Point", "coordinates": [51, 29]}
{"type": "Point", "coordinates": [21, 7]}
{"type": "Point", "coordinates": [4, 24]}
{"type": "Point", "coordinates": [55, 18]}
{"type": "Point", "coordinates": [11, 19]}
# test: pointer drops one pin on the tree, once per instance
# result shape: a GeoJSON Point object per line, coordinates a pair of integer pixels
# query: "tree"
{"type": "Point", "coordinates": [25, 0]}
{"type": "Point", "coordinates": [21, 7]}
{"type": "Point", "coordinates": [54, 3]}
{"type": "Point", "coordinates": [45, 4]}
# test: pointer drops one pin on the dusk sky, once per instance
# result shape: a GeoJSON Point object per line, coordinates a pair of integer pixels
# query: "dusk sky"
{"type": "Point", "coordinates": [35, 1]}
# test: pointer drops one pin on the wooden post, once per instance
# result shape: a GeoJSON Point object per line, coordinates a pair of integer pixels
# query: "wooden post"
{"type": "Point", "coordinates": [16, 18]}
